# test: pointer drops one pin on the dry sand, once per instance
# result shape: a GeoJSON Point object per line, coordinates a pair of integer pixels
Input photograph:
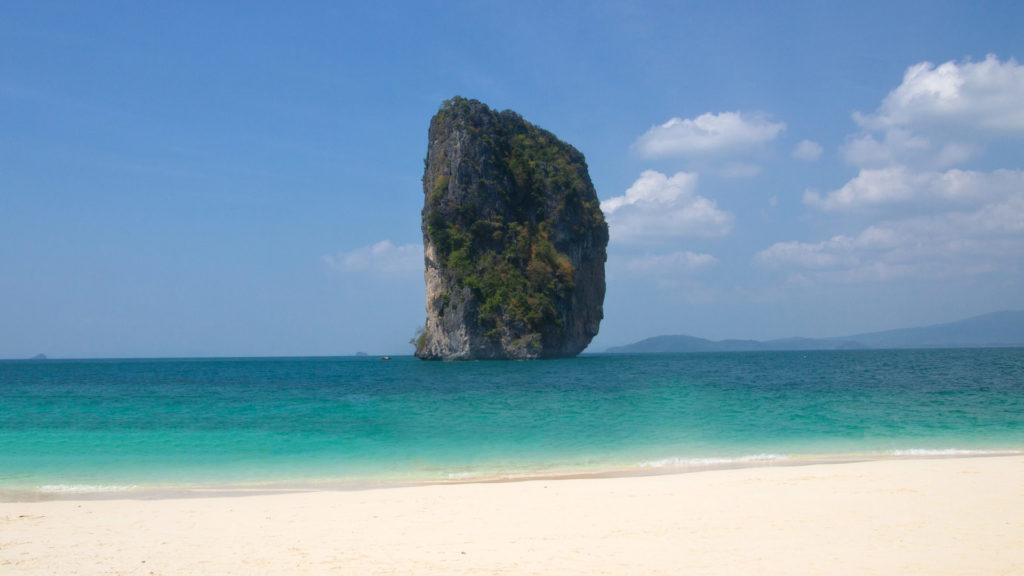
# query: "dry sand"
{"type": "Point", "coordinates": [943, 516]}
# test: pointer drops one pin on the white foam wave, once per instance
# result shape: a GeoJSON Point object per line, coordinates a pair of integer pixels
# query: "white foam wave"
{"type": "Point", "coordinates": [83, 488]}
{"type": "Point", "coordinates": [694, 462]}
{"type": "Point", "coordinates": [951, 452]}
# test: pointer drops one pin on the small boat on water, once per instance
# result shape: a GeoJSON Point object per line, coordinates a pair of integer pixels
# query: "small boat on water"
{"type": "Point", "coordinates": [385, 357]}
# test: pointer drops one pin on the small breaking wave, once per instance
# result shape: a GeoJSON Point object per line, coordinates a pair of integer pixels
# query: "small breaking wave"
{"type": "Point", "coordinates": [84, 488]}
{"type": "Point", "coordinates": [714, 462]}
{"type": "Point", "coordinates": [952, 452]}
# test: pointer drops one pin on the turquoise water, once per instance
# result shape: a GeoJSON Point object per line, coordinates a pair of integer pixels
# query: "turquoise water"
{"type": "Point", "coordinates": [115, 424]}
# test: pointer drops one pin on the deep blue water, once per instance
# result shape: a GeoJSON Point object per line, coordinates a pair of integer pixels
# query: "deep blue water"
{"type": "Point", "coordinates": [89, 424]}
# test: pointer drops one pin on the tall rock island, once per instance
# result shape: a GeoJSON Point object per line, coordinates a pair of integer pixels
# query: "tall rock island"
{"type": "Point", "coordinates": [513, 238]}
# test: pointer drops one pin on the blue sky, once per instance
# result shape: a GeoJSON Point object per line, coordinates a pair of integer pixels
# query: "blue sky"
{"type": "Point", "coordinates": [245, 180]}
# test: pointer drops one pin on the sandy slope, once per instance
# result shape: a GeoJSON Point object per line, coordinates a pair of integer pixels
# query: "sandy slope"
{"type": "Point", "coordinates": [950, 516]}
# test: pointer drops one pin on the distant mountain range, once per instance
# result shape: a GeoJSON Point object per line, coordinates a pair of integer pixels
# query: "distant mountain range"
{"type": "Point", "coordinates": [998, 329]}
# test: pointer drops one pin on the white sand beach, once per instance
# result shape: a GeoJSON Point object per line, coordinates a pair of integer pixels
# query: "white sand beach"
{"type": "Point", "coordinates": [911, 516]}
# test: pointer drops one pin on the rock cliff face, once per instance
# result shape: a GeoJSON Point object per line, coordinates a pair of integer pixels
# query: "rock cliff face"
{"type": "Point", "coordinates": [514, 240]}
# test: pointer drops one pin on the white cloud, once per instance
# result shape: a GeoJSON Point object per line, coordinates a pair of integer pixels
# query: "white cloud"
{"type": "Point", "coordinates": [657, 207]}
{"type": "Point", "coordinates": [940, 220]}
{"type": "Point", "coordinates": [838, 251]}
{"type": "Point", "coordinates": [807, 150]}
{"type": "Point", "coordinates": [900, 146]}
{"type": "Point", "coordinates": [724, 133]}
{"type": "Point", "coordinates": [382, 257]}
{"type": "Point", "coordinates": [978, 239]}
{"type": "Point", "coordinates": [920, 191]}
{"type": "Point", "coordinates": [976, 96]}
{"type": "Point", "coordinates": [866, 151]}
{"type": "Point", "coordinates": [803, 254]}
{"type": "Point", "coordinates": [940, 116]}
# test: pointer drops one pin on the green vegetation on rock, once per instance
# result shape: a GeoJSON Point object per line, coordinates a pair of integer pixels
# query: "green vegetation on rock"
{"type": "Point", "coordinates": [504, 202]}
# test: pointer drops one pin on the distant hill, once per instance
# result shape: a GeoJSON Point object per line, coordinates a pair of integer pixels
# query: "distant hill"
{"type": "Point", "coordinates": [997, 329]}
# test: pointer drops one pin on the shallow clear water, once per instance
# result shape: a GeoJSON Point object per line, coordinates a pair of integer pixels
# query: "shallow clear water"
{"type": "Point", "coordinates": [96, 424]}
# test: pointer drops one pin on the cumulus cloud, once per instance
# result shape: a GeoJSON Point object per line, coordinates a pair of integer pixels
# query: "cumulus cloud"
{"type": "Point", "coordinates": [807, 150]}
{"type": "Point", "coordinates": [724, 133]}
{"type": "Point", "coordinates": [657, 207]}
{"type": "Point", "coordinates": [837, 252]}
{"type": "Point", "coordinates": [938, 220]}
{"type": "Point", "coordinates": [940, 116]}
{"type": "Point", "coordinates": [923, 191]}
{"type": "Point", "coordinates": [981, 238]}
{"type": "Point", "coordinates": [382, 257]}
{"type": "Point", "coordinates": [974, 96]}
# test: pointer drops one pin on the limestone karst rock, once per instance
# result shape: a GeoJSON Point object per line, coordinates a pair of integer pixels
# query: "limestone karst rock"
{"type": "Point", "coordinates": [514, 240]}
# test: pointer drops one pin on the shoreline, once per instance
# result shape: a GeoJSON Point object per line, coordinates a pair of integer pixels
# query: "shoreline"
{"type": "Point", "coordinates": [668, 467]}
{"type": "Point", "coordinates": [942, 515]}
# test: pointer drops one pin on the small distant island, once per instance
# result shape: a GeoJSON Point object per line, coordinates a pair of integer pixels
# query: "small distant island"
{"type": "Point", "coordinates": [514, 240]}
{"type": "Point", "coordinates": [40, 357]}
{"type": "Point", "coordinates": [998, 329]}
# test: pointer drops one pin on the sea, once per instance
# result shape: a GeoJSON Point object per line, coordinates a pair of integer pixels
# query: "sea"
{"type": "Point", "coordinates": [158, 426]}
